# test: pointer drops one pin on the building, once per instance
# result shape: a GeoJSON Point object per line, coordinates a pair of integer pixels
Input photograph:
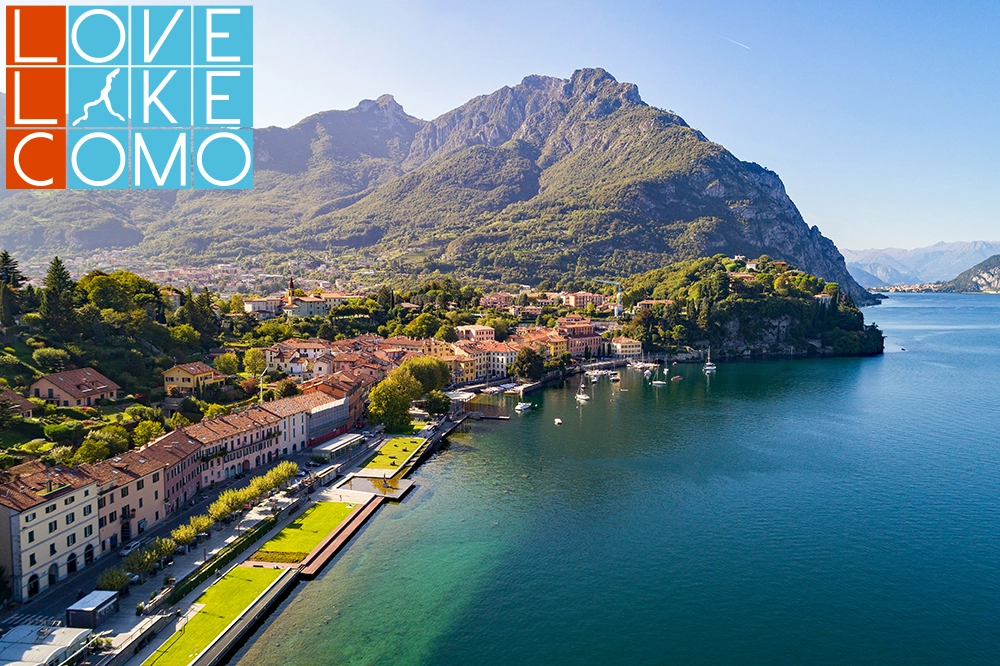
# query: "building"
{"type": "Point", "coordinates": [181, 456]}
{"type": "Point", "coordinates": [295, 414]}
{"type": "Point", "coordinates": [22, 406]}
{"type": "Point", "coordinates": [499, 355]}
{"type": "Point", "coordinates": [353, 388]}
{"type": "Point", "coordinates": [476, 333]}
{"type": "Point", "coordinates": [305, 306]}
{"type": "Point", "coordinates": [192, 377]}
{"type": "Point", "coordinates": [48, 525]}
{"type": "Point", "coordinates": [234, 444]}
{"type": "Point", "coordinates": [823, 299]}
{"type": "Point", "coordinates": [130, 492]}
{"type": "Point", "coordinates": [500, 301]}
{"type": "Point", "coordinates": [580, 335]}
{"type": "Point", "coordinates": [623, 347]}
{"type": "Point", "coordinates": [475, 352]}
{"type": "Point", "coordinates": [75, 388]}
{"type": "Point", "coordinates": [582, 299]}
{"type": "Point", "coordinates": [34, 645]}
{"type": "Point", "coordinates": [263, 308]}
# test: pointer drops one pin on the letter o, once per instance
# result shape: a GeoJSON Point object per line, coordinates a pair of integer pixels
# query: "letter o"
{"type": "Point", "coordinates": [121, 159]}
{"type": "Point", "coordinates": [246, 163]}
{"type": "Point", "coordinates": [121, 35]}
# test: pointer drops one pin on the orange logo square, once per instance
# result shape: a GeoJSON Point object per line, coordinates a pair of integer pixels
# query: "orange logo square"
{"type": "Point", "coordinates": [36, 35]}
{"type": "Point", "coordinates": [36, 97]}
{"type": "Point", "coordinates": [36, 159]}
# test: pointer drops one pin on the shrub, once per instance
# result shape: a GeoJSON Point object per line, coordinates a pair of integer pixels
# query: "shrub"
{"type": "Point", "coordinates": [112, 579]}
{"type": "Point", "coordinates": [50, 359]}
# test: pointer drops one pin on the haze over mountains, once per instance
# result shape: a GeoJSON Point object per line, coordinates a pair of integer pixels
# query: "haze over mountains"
{"type": "Point", "coordinates": [935, 263]}
{"type": "Point", "coordinates": [549, 178]}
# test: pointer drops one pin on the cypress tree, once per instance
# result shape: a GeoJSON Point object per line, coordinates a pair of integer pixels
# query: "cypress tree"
{"type": "Point", "coordinates": [6, 306]}
{"type": "Point", "coordinates": [10, 273]}
{"type": "Point", "coordinates": [57, 310]}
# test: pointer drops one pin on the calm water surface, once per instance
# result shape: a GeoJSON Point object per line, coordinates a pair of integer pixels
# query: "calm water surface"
{"type": "Point", "coordinates": [823, 512]}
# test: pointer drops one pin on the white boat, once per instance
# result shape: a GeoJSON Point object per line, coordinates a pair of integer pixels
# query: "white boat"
{"type": "Point", "coordinates": [557, 421]}
{"type": "Point", "coordinates": [647, 374]}
{"type": "Point", "coordinates": [615, 377]}
{"type": "Point", "coordinates": [658, 382]}
{"type": "Point", "coordinates": [709, 366]}
{"type": "Point", "coordinates": [523, 407]}
{"type": "Point", "coordinates": [676, 378]}
{"type": "Point", "coordinates": [581, 395]}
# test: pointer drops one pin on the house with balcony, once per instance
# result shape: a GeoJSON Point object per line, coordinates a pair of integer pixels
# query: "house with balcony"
{"type": "Point", "coordinates": [181, 456]}
{"type": "Point", "coordinates": [234, 444]}
{"type": "Point", "coordinates": [192, 378]}
{"type": "Point", "coordinates": [130, 494]}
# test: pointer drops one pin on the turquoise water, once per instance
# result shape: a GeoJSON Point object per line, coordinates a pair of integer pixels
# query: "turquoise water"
{"type": "Point", "coordinates": [823, 512]}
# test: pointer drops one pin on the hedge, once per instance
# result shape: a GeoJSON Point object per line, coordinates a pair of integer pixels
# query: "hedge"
{"type": "Point", "coordinates": [221, 559]}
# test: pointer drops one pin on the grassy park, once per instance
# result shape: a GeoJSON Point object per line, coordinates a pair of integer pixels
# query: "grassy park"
{"type": "Point", "coordinates": [394, 453]}
{"type": "Point", "coordinates": [293, 543]}
{"type": "Point", "coordinates": [224, 601]}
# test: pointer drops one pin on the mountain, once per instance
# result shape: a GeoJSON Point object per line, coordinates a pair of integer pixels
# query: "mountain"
{"type": "Point", "coordinates": [934, 263]}
{"type": "Point", "coordinates": [984, 276]}
{"type": "Point", "coordinates": [546, 179]}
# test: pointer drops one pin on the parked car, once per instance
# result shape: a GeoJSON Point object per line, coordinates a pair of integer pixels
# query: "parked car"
{"type": "Point", "coordinates": [180, 550]}
{"type": "Point", "coordinates": [129, 549]}
{"type": "Point", "coordinates": [135, 579]}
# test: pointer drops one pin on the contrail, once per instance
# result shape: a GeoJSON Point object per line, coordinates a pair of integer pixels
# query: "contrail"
{"type": "Point", "coordinates": [733, 41]}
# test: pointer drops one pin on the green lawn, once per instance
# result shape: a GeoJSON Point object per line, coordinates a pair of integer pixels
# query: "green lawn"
{"type": "Point", "coordinates": [223, 601]}
{"type": "Point", "coordinates": [412, 429]}
{"type": "Point", "coordinates": [306, 532]}
{"type": "Point", "coordinates": [396, 450]}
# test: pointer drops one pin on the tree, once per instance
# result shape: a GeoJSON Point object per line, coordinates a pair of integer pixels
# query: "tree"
{"type": "Point", "coordinates": [6, 306]}
{"type": "Point", "coordinates": [10, 274]}
{"type": "Point", "coordinates": [424, 326]}
{"type": "Point", "coordinates": [389, 404]}
{"type": "Point", "coordinates": [115, 437]}
{"type": "Point", "coordinates": [254, 361]}
{"type": "Point", "coordinates": [286, 388]}
{"type": "Point", "coordinates": [249, 385]}
{"type": "Point", "coordinates": [528, 364]}
{"type": "Point", "coordinates": [112, 579]}
{"type": "Point", "coordinates": [184, 335]}
{"type": "Point", "coordinates": [50, 359]}
{"type": "Point", "coordinates": [402, 376]}
{"type": "Point", "coordinates": [184, 534]}
{"type": "Point", "coordinates": [227, 364]}
{"type": "Point", "coordinates": [447, 333]}
{"type": "Point", "coordinates": [146, 431]}
{"type": "Point", "coordinates": [91, 451]}
{"type": "Point", "coordinates": [8, 414]}
{"type": "Point", "coordinates": [432, 373]}
{"type": "Point", "coordinates": [437, 402]}
{"type": "Point", "coordinates": [56, 309]}
{"type": "Point", "coordinates": [214, 409]}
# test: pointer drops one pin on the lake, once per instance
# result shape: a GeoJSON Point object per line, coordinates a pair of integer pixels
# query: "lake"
{"type": "Point", "coordinates": [823, 511]}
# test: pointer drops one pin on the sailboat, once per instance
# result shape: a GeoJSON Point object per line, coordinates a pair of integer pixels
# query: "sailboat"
{"type": "Point", "coordinates": [658, 381]}
{"type": "Point", "coordinates": [709, 366]}
{"type": "Point", "coordinates": [581, 394]}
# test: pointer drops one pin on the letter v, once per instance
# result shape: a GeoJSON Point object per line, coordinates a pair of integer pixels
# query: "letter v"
{"type": "Point", "coordinates": [149, 55]}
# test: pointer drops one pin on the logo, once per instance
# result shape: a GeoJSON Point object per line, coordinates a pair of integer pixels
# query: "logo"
{"type": "Point", "coordinates": [112, 97]}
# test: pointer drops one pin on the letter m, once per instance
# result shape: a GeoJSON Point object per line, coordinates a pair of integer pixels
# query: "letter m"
{"type": "Point", "coordinates": [142, 151]}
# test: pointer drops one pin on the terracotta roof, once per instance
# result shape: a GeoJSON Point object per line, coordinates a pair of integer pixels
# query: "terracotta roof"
{"type": "Point", "coordinates": [297, 404]}
{"type": "Point", "coordinates": [125, 468]}
{"type": "Point", "coordinates": [81, 383]}
{"type": "Point", "coordinates": [196, 368]}
{"type": "Point", "coordinates": [211, 430]}
{"type": "Point", "coordinates": [172, 448]}
{"type": "Point", "coordinates": [33, 483]}
{"type": "Point", "coordinates": [21, 403]}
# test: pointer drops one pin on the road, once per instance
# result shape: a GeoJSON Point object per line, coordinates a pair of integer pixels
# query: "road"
{"type": "Point", "coordinates": [51, 604]}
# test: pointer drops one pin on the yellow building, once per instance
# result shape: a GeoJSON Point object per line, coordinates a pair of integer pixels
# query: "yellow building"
{"type": "Point", "coordinates": [626, 347]}
{"type": "Point", "coordinates": [191, 377]}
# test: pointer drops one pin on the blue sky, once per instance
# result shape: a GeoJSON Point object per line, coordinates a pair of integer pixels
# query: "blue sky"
{"type": "Point", "coordinates": [880, 118]}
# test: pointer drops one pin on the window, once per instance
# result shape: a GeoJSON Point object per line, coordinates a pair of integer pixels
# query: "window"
{"type": "Point", "coordinates": [29, 517]}
{"type": "Point", "coordinates": [31, 536]}
{"type": "Point", "coordinates": [69, 500]}
{"type": "Point", "coordinates": [140, 502]}
{"type": "Point", "coordinates": [52, 549]}
{"type": "Point", "coordinates": [88, 530]}
{"type": "Point", "coordinates": [101, 502]}
{"type": "Point", "coordinates": [124, 492]}
{"type": "Point", "coordinates": [103, 522]}
{"type": "Point", "coordinates": [86, 493]}
{"type": "Point", "coordinates": [50, 508]}
{"type": "Point", "coordinates": [70, 518]}
{"type": "Point", "coordinates": [156, 494]}
{"type": "Point", "coordinates": [87, 510]}
{"type": "Point", "coordinates": [52, 526]}
{"type": "Point", "coordinates": [113, 516]}
{"type": "Point", "coordinates": [156, 477]}
{"type": "Point", "coordinates": [31, 558]}
{"type": "Point", "coordinates": [139, 484]}
{"type": "Point", "coordinates": [70, 540]}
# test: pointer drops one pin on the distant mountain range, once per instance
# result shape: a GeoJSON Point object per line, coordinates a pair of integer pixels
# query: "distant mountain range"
{"type": "Point", "coordinates": [551, 178]}
{"type": "Point", "coordinates": [935, 263]}
{"type": "Point", "coordinates": [984, 276]}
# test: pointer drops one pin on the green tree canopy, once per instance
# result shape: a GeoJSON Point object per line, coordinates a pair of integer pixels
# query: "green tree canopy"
{"type": "Point", "coordinates": [254, 361]}
{"type": "Point", "coordinates": [437, 402]}
{"type": "Point", "coordinates": [528, 364]}
{"type": "Point", "coordinates": [432, 373]}
{"type": "Point", "coordinates": [227, 364]}
{"type": "Point", "coordinates": [389, 404]}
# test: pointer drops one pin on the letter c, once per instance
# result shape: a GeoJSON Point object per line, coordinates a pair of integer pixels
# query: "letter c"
{"type": "Point", "coordinates": [17, 159]}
